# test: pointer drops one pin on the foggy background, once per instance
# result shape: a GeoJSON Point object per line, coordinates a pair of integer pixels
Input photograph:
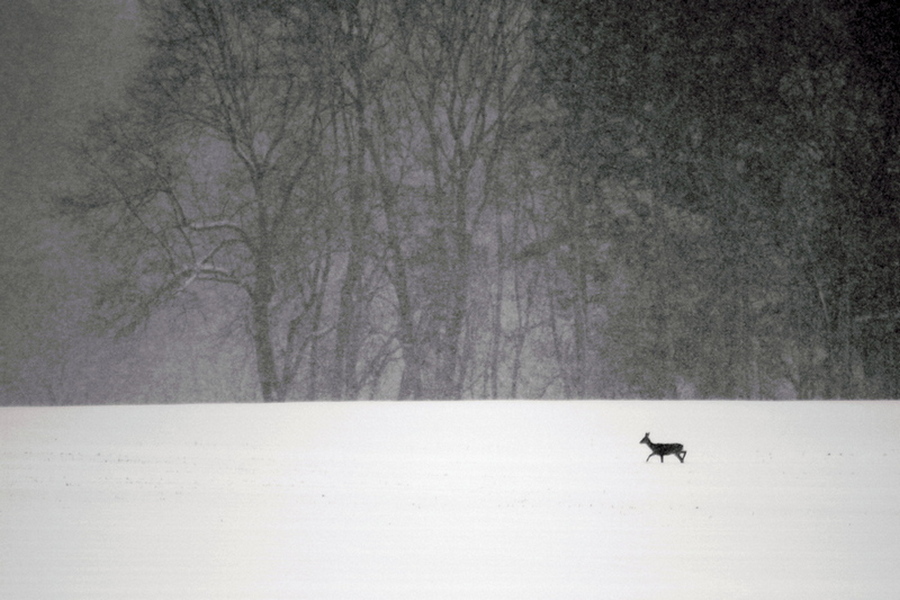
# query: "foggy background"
{"type": "Point", "coordinates": [285, 201]}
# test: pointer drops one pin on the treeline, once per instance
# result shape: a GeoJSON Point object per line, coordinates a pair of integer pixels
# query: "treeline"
{"type": "Point", "coordinates": [453, 199]}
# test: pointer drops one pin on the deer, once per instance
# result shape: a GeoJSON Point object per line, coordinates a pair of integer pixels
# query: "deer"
{"type": "Point", "coordinates": [664, 449]}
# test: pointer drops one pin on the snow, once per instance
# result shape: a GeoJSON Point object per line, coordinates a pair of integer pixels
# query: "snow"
{"type": "Point", "coordinates": [469, 500]}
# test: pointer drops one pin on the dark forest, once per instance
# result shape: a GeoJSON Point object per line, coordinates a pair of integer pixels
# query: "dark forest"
{"type": "Point", "coordinates": [442, 199]}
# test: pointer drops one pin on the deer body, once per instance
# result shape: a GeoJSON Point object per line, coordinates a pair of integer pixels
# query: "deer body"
{"type": "Point", "coordinates": [664, 449]}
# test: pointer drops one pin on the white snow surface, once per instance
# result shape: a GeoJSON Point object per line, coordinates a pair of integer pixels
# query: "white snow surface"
{"type": "Point", "coordinates": [458, 500]}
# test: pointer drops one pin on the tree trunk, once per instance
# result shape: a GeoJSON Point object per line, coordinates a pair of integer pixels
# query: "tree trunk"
{"type": "Point", "coordinates": [411, 378]}
{"type": "Point", "coordinates": [265, 356]}
{"type": "Point", "coordinates": [449, 370]}
{"type": "Point", "coordinates": [496, 321]}
{"type": "Point", "coordinates": [261, 298]}
{"type": "Point", "coordinates": [344, 381]}
{"type": "Point", "coordinates": [346, 352]}
{"type": "Point", "coordinates": [580, 320]}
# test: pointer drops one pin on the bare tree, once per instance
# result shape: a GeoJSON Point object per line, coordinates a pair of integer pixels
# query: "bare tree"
{"type": "Point", "coordinates": [206, 176]}
{"type": "Point", "coordinates": [464, 77]}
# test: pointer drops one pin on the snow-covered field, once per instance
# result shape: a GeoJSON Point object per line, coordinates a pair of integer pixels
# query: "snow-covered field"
{"type": "Point", "coordinates": [472, 500]}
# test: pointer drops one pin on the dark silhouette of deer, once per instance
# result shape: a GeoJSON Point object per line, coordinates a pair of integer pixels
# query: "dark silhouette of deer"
{"type": "Point", "coordinates": [664, 449]}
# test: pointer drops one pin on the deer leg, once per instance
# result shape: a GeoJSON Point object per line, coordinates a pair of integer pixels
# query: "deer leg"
{"type": "Point", "coordinates": [648, 458]}
{"type": "Point", "coordinates": [681, 456]}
